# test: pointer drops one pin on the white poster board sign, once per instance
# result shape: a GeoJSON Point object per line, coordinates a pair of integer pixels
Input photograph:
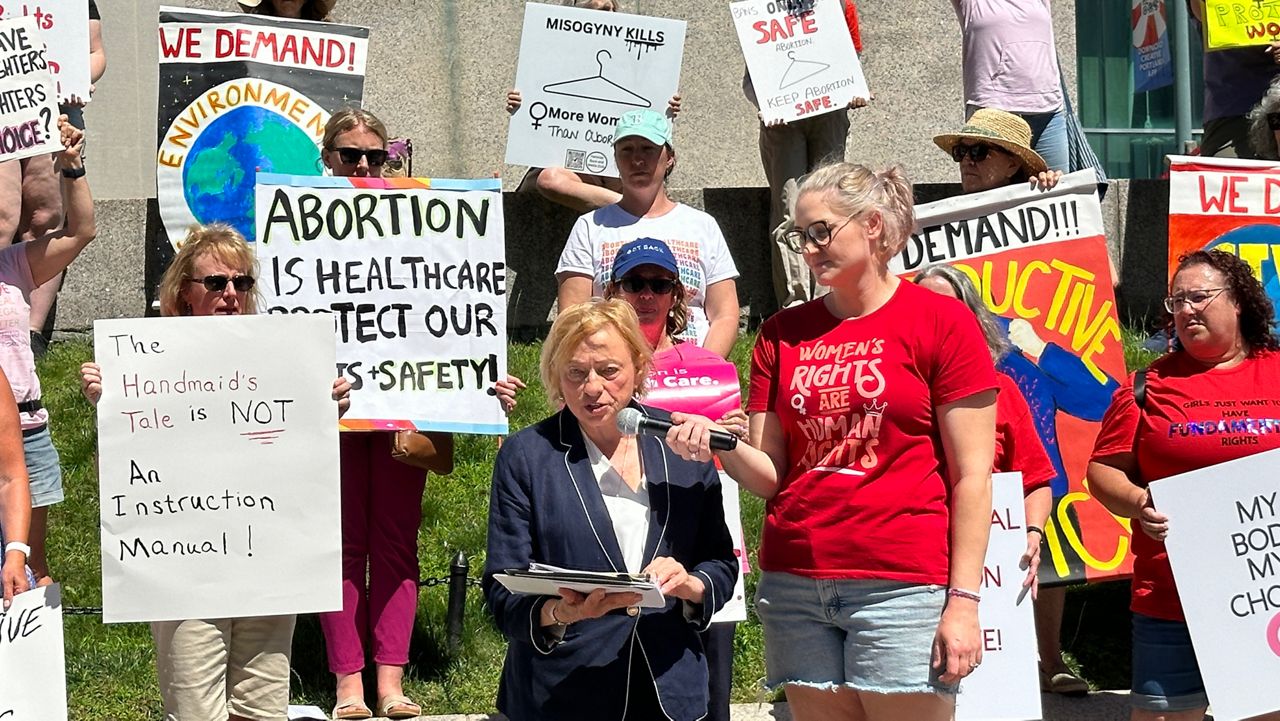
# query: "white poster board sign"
{"type": "Point", "coordinates": [1005, 687]}
{"type": "Point", "coordinates": [579, 70]}
{"type": "Point", "coordinates": [411, 274]}
{"type": "Point", "coordinates": [64, 27]}
{"type": "Point", "coordinates": [28, 99]}
{"type": "Point", "coordinates": [800, 56]}
{"type": "Point", "coordinates": [218, 465]}
{"type": "Point", "coordinates": [33, 677]}
{"type": "Point", "coordinates": [1224, 546]}
{"type": "Point", "coordinates": [735, 609]}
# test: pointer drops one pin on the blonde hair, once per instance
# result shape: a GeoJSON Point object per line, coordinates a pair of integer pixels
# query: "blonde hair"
{"type": "Point", "coordinates": [350, 119]}
{"type": "Point", "coordinates": [855, 190]}
{"type": "Point", "coordinates": [577, 323]}
{"type": "Point", "coordinates": [222, 242]}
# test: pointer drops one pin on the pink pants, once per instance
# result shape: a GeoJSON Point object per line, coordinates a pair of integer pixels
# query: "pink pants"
{"type": "Point", "coordinates": [381, 512]}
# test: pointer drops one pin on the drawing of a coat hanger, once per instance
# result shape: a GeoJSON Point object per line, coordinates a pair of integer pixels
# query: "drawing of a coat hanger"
{"type": "Point", "coordinates": [800, 70]}
{"type": "Point", "coordinates": [598, 87]}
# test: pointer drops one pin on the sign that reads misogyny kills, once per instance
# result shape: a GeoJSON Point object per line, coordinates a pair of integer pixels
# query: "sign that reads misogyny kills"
{"type": "Point", "coordinates": [411, 274]}
{"type": "Point", "coordinates": [218, 463]}
{"type": "Point", "coordinates": [1224, 546]}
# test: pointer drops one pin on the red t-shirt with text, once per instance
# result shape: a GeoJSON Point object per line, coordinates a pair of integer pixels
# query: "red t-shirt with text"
{"type": "Point", "coordinates": [864, 494]}
{"type": "Point", "coordinates": [1192, 418]}
{"type": "Point", "coordinates": [1018, 446]}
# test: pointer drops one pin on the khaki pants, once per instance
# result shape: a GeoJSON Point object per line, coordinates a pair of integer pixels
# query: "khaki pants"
{"type": "Point", "coordinates": [787, 153]}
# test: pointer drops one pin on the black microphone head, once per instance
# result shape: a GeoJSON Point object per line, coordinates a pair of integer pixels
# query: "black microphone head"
{"type": "Point", "coordinates": [629, 421]}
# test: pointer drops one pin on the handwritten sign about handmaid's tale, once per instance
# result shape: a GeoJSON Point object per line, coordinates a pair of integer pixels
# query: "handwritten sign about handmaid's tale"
{"type": "Point", "coordinates": [579, 71]}
{"type": "Point", "coordinates": [33, 678]}
{"type": "Point", "coordinates": [410, 273]}
{"type": "Point", "coordinates": [218, 459]}
{"type": "Point", "coordinates": [1224, 546]}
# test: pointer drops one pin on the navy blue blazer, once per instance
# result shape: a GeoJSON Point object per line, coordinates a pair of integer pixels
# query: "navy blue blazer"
{"type": "Point", "coordinates": [545, 506]}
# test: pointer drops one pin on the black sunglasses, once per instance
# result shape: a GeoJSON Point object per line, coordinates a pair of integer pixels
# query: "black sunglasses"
{"type": "Point", "coordinates": [218, 283]}
{"type": "Point", "coordinates": [636, 284]}
{"type": "Point", "coordinates": [977, 153]}
{"type": "Point", "coordinates": [351, 156]}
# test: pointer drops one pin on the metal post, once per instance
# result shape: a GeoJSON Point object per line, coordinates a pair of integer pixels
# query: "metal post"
{"type": "Point", "coordinates": [1180, 44]}
{"type": "Point", "coordinates": [457, 598]}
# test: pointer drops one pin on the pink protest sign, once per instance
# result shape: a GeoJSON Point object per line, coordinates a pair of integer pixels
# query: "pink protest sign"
{"type": "Point", "coordinates": [690, 379]}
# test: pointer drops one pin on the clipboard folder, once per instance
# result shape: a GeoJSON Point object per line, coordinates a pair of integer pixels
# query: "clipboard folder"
{"type": "Point", "coordinates": [544, 580]}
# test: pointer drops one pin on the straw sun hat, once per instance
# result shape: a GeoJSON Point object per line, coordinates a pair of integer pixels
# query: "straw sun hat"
{"type": "Point", "coordinates": [325, 6]}
{"type": "Point", "coordinates": [1003, 130]}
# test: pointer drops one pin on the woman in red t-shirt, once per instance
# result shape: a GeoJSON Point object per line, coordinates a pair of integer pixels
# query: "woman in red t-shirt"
{"type": "Point", "coordinates": [1225, 354]}
{"type": "Point", "coordinates": [873, 430]}
{"type": "Point", "coordinates": [1018, 447]}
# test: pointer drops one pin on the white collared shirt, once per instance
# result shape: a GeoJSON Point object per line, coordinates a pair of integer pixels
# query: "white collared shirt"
{"type": "Point", "coordinates": [628, 509]}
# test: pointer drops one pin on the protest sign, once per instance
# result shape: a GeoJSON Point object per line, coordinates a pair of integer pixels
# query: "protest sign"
{"type": "Point", "coordinates": [218, 467]}
{"type": "Point", "coordinates": [33, 677]}
{"type": "Point", "coordinates": [800, 56]}
{"type": "Point", "coordinates": [64, 27]}
{"type": "Point", "coordinates": [1151, 59]}
{"type": "Point", "coordinates": [1240, 23]}
{"type": "Point", "coordinates": [241, 94]}
{"type": "Point", "coordinates": [1224, 546]}
{"type": "Point", "coordinates": [1040, 263]}
{"type": "Point", "coordinates": [1229, 205]}
{"type": "Point", "coordinates": [412, 273]}
{"type": "Point", "coordinates": [578, 71]}
{"type": "Point", "coordinates": [28, 100]}
{"type": "Point", "coordinates": [1005, 686]}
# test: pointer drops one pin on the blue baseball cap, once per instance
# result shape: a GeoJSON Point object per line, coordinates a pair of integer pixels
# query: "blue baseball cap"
{"type": "Point", "coordinates": [648, 124]}
{"type": "Point", "coordinates": [643, 251]}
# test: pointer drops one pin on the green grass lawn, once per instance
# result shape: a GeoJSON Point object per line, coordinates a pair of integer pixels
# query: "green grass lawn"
{"type": "Point", "coordinates": [110, 669]}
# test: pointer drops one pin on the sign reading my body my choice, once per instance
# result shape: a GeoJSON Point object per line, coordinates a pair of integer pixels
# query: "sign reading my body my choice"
{"type": "Point", "coordinates": [218, 461]}
{"type": "Point", "coordinates": [411, 273]}
{"type": "Point", "coordinates": [579, 71]}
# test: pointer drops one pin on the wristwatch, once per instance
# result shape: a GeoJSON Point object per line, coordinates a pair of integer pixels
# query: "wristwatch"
{"type": "Point", "coordinates": [73, 172]}
{"type": "Point", "coordinates": [18, 546]}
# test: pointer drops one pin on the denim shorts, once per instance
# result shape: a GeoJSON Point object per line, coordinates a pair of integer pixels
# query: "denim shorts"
{"type": "Point", "coordinates": [1166, 676]}
{"type": "Point", "coordinates": [44, 468]}
{"type": "Point", "coordinates": [868, 635]}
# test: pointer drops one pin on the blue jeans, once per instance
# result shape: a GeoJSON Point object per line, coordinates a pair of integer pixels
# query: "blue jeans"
{"type": "Point", "coordinates": [1049, 138]}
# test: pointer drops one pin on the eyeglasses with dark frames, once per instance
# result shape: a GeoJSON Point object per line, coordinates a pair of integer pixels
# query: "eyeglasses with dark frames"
{"type": "Point", "coordinates": [351, 156]}
{"type": "Point", "coordinates": [636, 284]}
{"type": "Point", "coordinates": [977, 152]}
{"type": "Point", "coordinates": [818, 232]}
{"type": "Point", "coordinates": [218, 283]}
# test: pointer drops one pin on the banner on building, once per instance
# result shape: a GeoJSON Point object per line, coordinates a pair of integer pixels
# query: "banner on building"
{"type": "Point", "coordinates": [241, 94]}
{"type": "Point", "coordinates": [218, 464]}
{"type": "Point", "coordinates": [578, 71]}
{"type": "Point", "coordinates": [1224, 547]}
{"type": "Point", "coordinates": [800, 56]}
{"type": "Point", "coordinates": [1230, 205]}
{"type": "Point", "coordinates": [1152, 61]}
{"type": "Point", "coordinates": [1039, 260]}
{"type": "Point", "coordinates": [28, 94]}
{"type": "Point", "coordinates": [64, 27]}
{"type": "Point", "coordinates": [412, 272]}
{"type": "Point", "coordinates": [1240, 23]}
{"type": "Point", "coordinates": [33, 676]}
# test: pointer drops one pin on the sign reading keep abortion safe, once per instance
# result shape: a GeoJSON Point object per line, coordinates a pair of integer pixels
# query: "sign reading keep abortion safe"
{"type": "Point", "coordinates": [28, 95]}
{"type": "Point", "coordinates": [1224, 546]}
{"type": "Point", "coordinates": [579, 71]}
{"type": "Point", "coordinates": [800, 56]}
{"type": "Point", "coordinates": [33, 678]}
{"type": "Point", "coordinates": [218, 467]}
{"type": "Point", "coordinates": [411, 273]}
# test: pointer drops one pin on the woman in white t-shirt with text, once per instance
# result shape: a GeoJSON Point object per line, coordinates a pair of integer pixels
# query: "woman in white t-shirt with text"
{"type": "Point", "coordinates": [645, 158]}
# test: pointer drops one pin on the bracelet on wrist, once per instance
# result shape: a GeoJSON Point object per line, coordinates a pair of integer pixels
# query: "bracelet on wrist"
{"type": "Point", "coordinates": [18, 546]}
{"type": "Point", "coordinates": [554, 618]}
{"type": "Point", "coordinates": [73, 172]}
{"type": "Point", "coordinates": [961, 593]}
{"type": "Point", "coordinates": [1035, 529]}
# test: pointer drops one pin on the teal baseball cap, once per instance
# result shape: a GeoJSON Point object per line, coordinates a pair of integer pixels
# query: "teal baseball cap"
{"type": "Point", "coordinates": [648, 124]}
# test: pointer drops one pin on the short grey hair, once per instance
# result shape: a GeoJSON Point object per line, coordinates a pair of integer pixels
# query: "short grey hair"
{"type": "Point", "coordinates": [997, 341]}
{"type": "Point", "coordinates": [1261, 136]}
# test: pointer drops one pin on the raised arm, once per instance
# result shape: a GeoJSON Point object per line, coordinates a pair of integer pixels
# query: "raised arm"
{"type": "Point", "coordinates": [51, 254]}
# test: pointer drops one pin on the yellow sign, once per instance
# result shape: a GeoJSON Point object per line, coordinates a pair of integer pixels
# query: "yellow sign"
{"type": "Point", "coordinates": [1241, 23]}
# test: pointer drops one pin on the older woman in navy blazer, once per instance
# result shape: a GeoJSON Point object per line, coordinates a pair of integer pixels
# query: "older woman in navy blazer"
{"type": "Point", "coordinates": [572, 491]}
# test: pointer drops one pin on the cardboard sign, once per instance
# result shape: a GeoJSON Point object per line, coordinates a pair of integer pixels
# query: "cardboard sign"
{"type": "Point", "coordinates": [800, 56]}
{"type": "Point", "coordinates": [1005, 687]}
{"type": "Point", "coordinates": [1224, 546]}
{"type": "Point", "coordinates": [33, 677]}
{"type": "Point", "coordinates": [1039, 260]}
{"type": "Point", "coordinates": [1240, 23]}
{"type": "Point", "coordinates": [241, 94]}
{"type": "Point", "coordinates": [64, 27]}
{"type": "Point", "coordinates": [1229, 205]}
{"type": "Point", "coordinates": [28, 95]}
{"type": "Point", "coordinates": [218, 460]}
{"type": "Point", "coordinates": [579, 70]}
{"type": "Point", "coordinates": [412, 273]}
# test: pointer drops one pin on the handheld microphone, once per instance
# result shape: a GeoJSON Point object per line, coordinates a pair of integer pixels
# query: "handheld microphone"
{"type": "Point", "coordinates": [632, 421]}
